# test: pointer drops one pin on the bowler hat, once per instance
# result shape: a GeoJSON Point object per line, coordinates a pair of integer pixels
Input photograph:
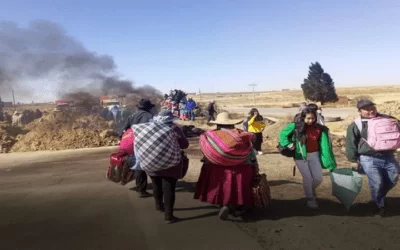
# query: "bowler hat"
{"type": "Point", "coordinates": [145, 104]}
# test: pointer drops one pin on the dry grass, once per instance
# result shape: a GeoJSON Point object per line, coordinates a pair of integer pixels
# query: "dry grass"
{"type": "Point", "coordinates": [293, 98]}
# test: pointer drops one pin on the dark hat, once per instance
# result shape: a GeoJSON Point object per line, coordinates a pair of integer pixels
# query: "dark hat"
{"type": "Point", "coordinates": [364, 103]}
{"type": "Point", "coordinates": [145, 104]}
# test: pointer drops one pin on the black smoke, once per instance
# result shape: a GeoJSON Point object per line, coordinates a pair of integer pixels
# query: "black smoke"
{"type": "Point", "coordinates": [44, 57]}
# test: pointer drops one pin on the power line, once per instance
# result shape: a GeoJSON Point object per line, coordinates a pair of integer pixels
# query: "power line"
{"type": "Point", "coordinates": [253, 85]}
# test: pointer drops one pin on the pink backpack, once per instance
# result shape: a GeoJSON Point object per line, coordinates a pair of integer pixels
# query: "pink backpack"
{"type": "Point", "coordinates": [383, 133]}
{"type": "Point", "coordinates": [126, 143]}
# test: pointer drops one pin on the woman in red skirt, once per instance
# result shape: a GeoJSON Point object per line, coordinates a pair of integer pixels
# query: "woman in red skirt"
{"type": "Point", "coordinates": [229, 167]}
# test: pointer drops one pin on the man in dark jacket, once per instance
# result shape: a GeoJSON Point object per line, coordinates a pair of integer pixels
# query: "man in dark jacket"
{"type": "Point", "coordinates": [381, 167]}
{"type": "Point", "coordinates": [211, 111]}
{"type": "Point", "coordinates": [143, 115]}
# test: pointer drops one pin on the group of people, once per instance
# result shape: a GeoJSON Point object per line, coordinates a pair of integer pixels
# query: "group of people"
{"type": "Point", "coordinates": [230, 158]}
{"type": "Point", "coordinates": [184, 109]}
{"type": "Point", "coordinates": [21, 118]}
{"type": "Point", "coordinates": [309, 139]}
{"type": "Point", "coordinates": [117, 114]}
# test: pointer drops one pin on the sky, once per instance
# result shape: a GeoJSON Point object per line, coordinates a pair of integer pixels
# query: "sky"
{"type": "Point", "coordinates": [221, 46]}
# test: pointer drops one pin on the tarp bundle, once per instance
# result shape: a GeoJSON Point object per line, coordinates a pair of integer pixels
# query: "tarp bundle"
{"type": "Point", "coordinates": [346, 185]}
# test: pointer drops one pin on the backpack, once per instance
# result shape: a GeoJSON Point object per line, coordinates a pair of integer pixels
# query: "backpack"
{"type": "Point", "coordinates": [286, 151]}
{"type": "Point", "coordinates": [118, 170]}
{"type": "Point", "coordinates": [126, 143]}
{"type": "Point", "coordinates": [383, 132]}
{"type": "Point", "coordinates": [157, 146]}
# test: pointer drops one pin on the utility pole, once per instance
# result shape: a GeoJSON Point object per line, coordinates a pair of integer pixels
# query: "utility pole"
{"type": "Point", "coordinates": [254, 94]}
{"type": "Point", "coordinates": [12, 91]}
{"type": "Point", "coordinates": [200, 94]}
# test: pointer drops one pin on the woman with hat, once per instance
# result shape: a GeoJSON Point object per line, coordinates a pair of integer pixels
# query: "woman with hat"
{"type": "Point", "coordinates": [229, 167]}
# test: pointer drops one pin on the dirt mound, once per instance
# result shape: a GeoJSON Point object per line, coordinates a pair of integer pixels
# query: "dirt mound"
{"type": "Point", "coordinates": [66, 130]}
{"type": "Point", "coordinates": [271, 133]}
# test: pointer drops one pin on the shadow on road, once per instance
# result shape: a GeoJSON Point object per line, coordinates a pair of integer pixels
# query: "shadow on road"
{"type": "Point", "coordinates": [282, 182]}
{"type": "Point", "coordinates": [181, 186]}
{"type": "Point", "coordinates": [196, 208]}
{"type": "Point", "coordinates": [281, 209]}
{"type": "Point", "coordinates": [211, 214]}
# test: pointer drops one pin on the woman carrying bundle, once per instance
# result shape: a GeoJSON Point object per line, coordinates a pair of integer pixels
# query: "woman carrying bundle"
{"type": "Point", "coordinates": [229, 167]}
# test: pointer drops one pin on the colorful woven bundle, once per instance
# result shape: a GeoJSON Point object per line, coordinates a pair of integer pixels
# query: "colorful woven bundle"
{"type": "Point", "coordinates": [226, 147]}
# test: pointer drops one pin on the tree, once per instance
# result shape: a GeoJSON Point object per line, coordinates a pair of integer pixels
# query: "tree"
{"type": "Point", "coordinates": [319, 86]}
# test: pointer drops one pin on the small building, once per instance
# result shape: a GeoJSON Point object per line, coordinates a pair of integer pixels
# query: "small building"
{"type": "Point", "coordinates": [343, 100]}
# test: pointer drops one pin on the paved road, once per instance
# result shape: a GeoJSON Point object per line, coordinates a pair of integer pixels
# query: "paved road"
{"type": "Point", "coordinates": [63, 201]}
{"type": "Point", "coordinates": [327, 112]}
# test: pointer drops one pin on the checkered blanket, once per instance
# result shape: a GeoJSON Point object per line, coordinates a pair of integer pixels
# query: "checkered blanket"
{"type": "Point", "coordinates": [157, 146]}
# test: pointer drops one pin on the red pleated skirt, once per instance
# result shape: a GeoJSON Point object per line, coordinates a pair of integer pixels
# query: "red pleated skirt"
{"type": "Point", "coordinates": [220, 185]}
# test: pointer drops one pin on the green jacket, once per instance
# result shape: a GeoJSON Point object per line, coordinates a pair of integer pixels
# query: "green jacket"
{"type": "Point", "coordinates": [327, 156]}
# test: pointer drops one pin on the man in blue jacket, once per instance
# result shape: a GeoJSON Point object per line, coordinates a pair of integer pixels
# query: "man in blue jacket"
{"type": "Point", "coordinates": [190, 106]}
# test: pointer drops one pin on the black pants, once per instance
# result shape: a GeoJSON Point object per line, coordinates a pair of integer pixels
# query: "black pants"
{"type": "Point", "coordinates": [211, 117]}
{"type": "Point", "coordinates": [257, 141]}
{"type": "Point", "coordinates": [164, 189]}
{"type": "Point", "coordinates": [141, 180]}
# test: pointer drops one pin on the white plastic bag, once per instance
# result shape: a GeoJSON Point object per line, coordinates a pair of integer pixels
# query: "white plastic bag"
{"type": "Point", "coordinates": [346, 185]}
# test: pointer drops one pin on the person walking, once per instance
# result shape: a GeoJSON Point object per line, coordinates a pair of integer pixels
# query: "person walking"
{"type": "Point", "coordinates": [380, 166]}
{"type": "Point", "coordinates": [143, 115]}
{"type": "Point", "coordinates": [190, 107]}
{"type": "Point", "coordinates": [211, 111]}
{"type": "Point", "coordinates": [226, 179]}
{"type": "Point", "coordinates": [312, 151]}
{"type": "Point", "coordinates": [164, 181]}
{"type": "Point", "coordinates": [256, 125]}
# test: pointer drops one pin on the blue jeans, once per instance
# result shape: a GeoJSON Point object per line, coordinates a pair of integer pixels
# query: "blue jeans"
{"type": "Point", "coordinates": [383, 173]}
{"type": "Point", "coordinates": [192, 115]}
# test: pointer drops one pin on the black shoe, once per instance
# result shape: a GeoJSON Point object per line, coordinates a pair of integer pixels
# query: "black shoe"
{"type": "Point", "coordinates": [382, 212]}
{"type": "Point", "coordinates": [171, 219]}
{"type": "Point", "coordinates": [144, 194]}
